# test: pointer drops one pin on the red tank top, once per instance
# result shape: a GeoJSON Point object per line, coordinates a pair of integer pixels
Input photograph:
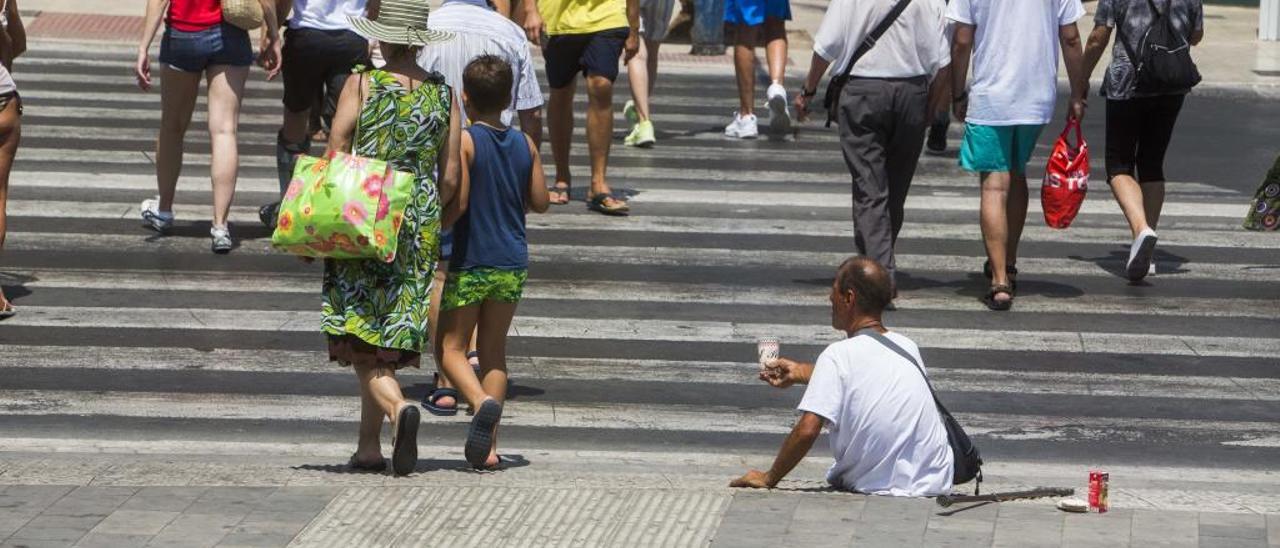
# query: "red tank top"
{"type": "Point", "coordinates": [194, 15]}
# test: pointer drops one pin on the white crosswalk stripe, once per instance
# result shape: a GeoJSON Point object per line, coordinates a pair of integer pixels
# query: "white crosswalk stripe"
{"type": "Point", "coordinates": [635, 332]}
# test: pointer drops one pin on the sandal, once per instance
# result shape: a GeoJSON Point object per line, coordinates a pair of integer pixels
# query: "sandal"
{"type": "Point", "coordinates": [8, 311]}
{"type": "Point", "coordinates": [480, 435]}
{"type": "Point", "coordinates": [995, 304]}
{"type": "Point", "coordinates": [601, 203]}
{"type": "Point", "coordinates": [559, 188]}
{"type": "Point", "coordinates": [404, 453]}
{"type": "Point", "coordinates": [1011, 270]}
{"type": "Point", "coordinates": [366, 466]}
{"type": "Point", "coordinates": [430, 402]}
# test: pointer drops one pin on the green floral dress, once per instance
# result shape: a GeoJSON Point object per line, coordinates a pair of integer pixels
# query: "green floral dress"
{"type": "Point", "coordinates": [385, 305]}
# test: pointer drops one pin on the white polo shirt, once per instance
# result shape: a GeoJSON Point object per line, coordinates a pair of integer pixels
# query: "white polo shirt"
{"type": "Point", "coordinates": [886, 434]}
{"type": "Point", "coordinates": [917, 44]}
{"type": "Point", "coordinates": [325, 14]}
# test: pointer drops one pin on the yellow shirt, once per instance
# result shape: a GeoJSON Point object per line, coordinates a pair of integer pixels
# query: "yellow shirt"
{"type": "Point", "coordinates": [582, 16]}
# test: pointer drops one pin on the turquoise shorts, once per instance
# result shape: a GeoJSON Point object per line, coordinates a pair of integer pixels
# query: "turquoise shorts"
{"type": "Point", "coordinates": [998, 148]}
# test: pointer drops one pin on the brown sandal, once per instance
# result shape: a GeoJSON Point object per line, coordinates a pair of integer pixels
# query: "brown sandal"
{"type": "Point", "coordinates": [995, 304]}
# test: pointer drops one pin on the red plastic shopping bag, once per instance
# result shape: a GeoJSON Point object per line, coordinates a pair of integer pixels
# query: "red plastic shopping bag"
{"type": "Point", "coordinates": [1066, 178]}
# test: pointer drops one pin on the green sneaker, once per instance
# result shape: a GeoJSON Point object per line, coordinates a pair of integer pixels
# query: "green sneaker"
{"type": "Point", "coordinates": [629, 112]}
{"type": "Point", "coordinates": [641, 135]}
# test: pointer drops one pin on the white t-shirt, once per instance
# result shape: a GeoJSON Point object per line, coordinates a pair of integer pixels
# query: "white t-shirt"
{"type": "Point", "coordinates": [325, 14]}
{"type": "Point", "coordinates": [916, 45]}
{"type": "Point", "coordinates": [1015, 60]}
{"type": "Point", "coordinates": [886, 434]}
{"type": "Point", "coordinates": [478, 31]}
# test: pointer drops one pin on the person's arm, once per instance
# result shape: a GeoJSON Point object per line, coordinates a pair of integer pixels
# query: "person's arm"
{"type": "Point", "coordinates": [531, 125]}
{"type": "Point", "coordinates": [371, 9]}
{"type": "Point", "coordinates": [817, 67]}
{"type": "Point", "coordinates": [794, 449]}
{"type": "Point", "coordinates": [343, 125]}
{"type": "Point", "coordinates": [269, 57]}
{"type": "Point", "coordinates": [1197, 23]}
{"type": "Point", "coordinates": [15, 39]}
{"type": "Point", "coordinates": [450, 156]}
{"type": "Point", "coordinates": [150, 25]}
{"type": "Point", "coordinates": [1094, 47]}
{"type": "Point", "coordinates": [283, 7]}
{"type": "Point", "coordinates": [1073, 57]}
{"type": "Point", "coordinates": [632, 45]}
{"type": "Point", "coordinates": [532, 21]}
{"type": "Point", "coordinates": [783, 373]}
{"type": "Point", "coordinates": [539, 198]}
{"type": "Point", "coordinates": [940, 92]}
{"type": "Point", "coordinates": [502, 7]}
{"type": "Point", "coordinates": [961, 49]}
{"type": "Point", "coordinates": [456, 208]}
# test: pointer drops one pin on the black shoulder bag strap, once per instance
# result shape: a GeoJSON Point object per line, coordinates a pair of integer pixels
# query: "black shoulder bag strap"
{"type": "Point", "coordinates": [832, 98]}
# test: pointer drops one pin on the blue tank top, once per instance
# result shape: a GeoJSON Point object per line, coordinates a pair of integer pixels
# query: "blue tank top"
{"type": "Point", "coordinates": [492, 231]}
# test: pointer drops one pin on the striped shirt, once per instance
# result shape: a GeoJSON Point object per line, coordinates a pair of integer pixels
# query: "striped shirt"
{"type": "Point", "coordinates": [478, 31]}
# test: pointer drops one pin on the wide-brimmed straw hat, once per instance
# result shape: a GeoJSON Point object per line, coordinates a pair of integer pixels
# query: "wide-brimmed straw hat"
{"type": "Point", "coordinates": [400, 22]}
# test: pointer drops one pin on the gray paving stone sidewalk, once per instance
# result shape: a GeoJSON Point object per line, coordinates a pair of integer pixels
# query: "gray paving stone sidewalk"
{"type": "Point", "coordinates": [50, 515]}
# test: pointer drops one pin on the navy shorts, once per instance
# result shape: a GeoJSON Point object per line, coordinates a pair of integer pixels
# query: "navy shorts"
{"type": "Point", "coordinates": [223, 44]}
{"type": "Point", "coordinates": [593, 54]}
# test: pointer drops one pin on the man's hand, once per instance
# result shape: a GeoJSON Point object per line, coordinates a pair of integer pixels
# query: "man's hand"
{"type": "Point", "coordinates": [754, 479]}
{"type": "Point", "coordinates": [1076, 110]}
{"type": "Point", "coordinates": [142, 70]}
{"type": "Point", "coordinates": [960, 109]}
{"type": "Point", "coordinates": [533, 25]}
{"type": "Point", "coordinates": [801, 104]}
{"type": "Point", "coordinates": [783, 373]}
{"type": "Point", "coordinates": [631, 47]}
{"type": "Point", "coordinates": [270, 57]}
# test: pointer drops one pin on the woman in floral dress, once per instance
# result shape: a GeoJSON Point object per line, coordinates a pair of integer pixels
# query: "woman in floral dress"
{"type": "Point", "coordinates": [375, 313]}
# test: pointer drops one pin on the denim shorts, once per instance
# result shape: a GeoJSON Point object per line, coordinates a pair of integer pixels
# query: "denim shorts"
{"type": "Point", "coordinates": [222, 44]}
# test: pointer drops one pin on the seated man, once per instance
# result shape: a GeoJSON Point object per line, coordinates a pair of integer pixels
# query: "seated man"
{"type": "Point", "coordinates": [885, 431]}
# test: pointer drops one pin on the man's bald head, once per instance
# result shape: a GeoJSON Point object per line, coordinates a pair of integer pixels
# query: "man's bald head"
{"type": "Point", "coordinates": [869, 283]}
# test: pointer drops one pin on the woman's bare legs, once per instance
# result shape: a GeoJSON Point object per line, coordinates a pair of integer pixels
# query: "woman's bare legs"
{"type": "Point", "coordinates": [226, 89]}
{"type": "Point", "coordinates": [10, 135]}
{"type": "Point", "coordinates": [380, 396]}
{"type": "Point", "coordinates": [178, 92]}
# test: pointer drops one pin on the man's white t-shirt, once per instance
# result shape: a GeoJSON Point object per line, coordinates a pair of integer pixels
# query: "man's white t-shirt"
{"type": "Point", "coordinates": [325, 14]}
{"type": "Point", "coordinates": [885, 431]}
{"type": "Point", "coordinates": [916, 45]}
{"type": "Point", "coordinates": [1015, 60]}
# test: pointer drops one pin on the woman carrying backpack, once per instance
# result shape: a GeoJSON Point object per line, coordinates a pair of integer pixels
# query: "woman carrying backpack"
{"type": "Point", "coordinates": [1150, 74]}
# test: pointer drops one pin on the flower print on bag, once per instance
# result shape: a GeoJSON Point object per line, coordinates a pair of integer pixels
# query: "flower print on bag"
{"type": "Point", "coordinates": [384, 205]}
{"type": "Point", "coordinates": [295, 188]}
{"type": "Point", "coordinates": [343, 242]}
{"type": "Point", "coordinates": [355, 213]}
{"type": "Point", "coordinates": [379, 238]}
{"type": "Point", "coordinates": [307, 210]}
{"type": "Point", "coordinates": [310, 230]}
{"type": "Point", "coordinates": [396, 221]}
{"type": "Point", "coordinates": [285, 222]}
{"type": "Point", "coordinates": [373, 185]}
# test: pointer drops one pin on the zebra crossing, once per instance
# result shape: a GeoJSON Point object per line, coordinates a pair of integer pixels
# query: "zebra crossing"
{"type": "Point", "coordinates": [636, 337]}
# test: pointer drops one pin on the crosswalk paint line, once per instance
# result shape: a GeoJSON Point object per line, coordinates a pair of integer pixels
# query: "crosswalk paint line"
{"type": "Point", "coordinates": [1170, 237]}
{"type": "Point", "coordinates": [1194, 387]}
{"type": "Point", "coordinates": [611, 416]}
{"type": "Point", "coordinates": [655, 292]}
{"type": "Point", "coordinates": [671, 331]}
{"type": "Point", "coordinates": [663, 256]}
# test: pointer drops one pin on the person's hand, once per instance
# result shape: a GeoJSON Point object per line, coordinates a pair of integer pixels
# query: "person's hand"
{"type": "Point", "coordinates": [960, 109]}
{"type": "Point", "coordinates": [533, 25]}
{"type": "Point", "coordinates": [753, 479]}
{"type": "Point", "coordinates": [783, 373]}
{"type": "Point", "coordinates": [142, 70]}
{"type": "Point", "coordinates": [631, 47]}
{"type": "Point", "coordinates": [1076, 111]}
{"type": "Point", "coordinates": [270, 57]}
{"type": "Point", "coordinates": [801, 104]}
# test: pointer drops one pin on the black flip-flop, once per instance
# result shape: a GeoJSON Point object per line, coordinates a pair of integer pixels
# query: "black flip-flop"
{"type": "Point", "coordinates": [358, 466]}
{"type": "Point", "coordinates": [404, 455]}
{"type": "Point", "coordinates": [480, 435]}
{"type": "Point", "coordinates": [8, 311]}
{"type": "Point", "coordinates": [436, 409]}
{"type": "Point", "coordinates": [597, 203]}
{"type": "Point", "coordinates": [566, 190]}
{"type": "Point", "coordinates": [505, 462]}
{"type": "Point", "coordinates": [993, 304]}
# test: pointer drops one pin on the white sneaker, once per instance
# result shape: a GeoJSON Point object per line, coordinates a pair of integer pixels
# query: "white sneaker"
{"type": "Point", "coordinates": [160, 221]}
{"type": "Point", "coordinates": [1140, 254]}
{"type": "Point", "coordinates": [779, 113]}
{"type": "Point", "coordinates": [221, 239]}
{"type": "Point", "coordinates": [743, 127]}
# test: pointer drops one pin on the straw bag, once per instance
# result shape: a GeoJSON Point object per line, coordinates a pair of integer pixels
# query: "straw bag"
{"type": "Point", "coordinates": [246, 14]}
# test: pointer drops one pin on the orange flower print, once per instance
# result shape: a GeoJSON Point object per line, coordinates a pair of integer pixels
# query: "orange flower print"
{"type": "Point", "coordinates": [310, 230]}
{"type": "Point", "coordinates": [384, 205]}
{"type": "Point", "coordinates": [396, 220]}
{"type": "Point", "coordinates": [373, 185]}
{"type": "Point", "coordinates": [355, 213]}
{"type": "Point", "coordinates": [323, 246]}
{"type": "Point", "coordinates": [343, 242]}
{"type": "Point", "coordinates": [362, 241]}
{"type": "Point", "coordinates": [306, 210]}
{"type": "Point", "coordinates": [379, 238]}
{"type": "Point", "coordinates": [286, 221]}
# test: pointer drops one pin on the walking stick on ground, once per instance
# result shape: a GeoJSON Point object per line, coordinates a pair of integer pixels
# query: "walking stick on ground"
{"type": "Point", "coordinates": [1039, 492]}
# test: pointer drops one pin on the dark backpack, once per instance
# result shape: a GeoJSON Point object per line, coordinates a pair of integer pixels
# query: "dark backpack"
{"type": "Point", "coordinates": [1162, 63]}
{"type": "Point", "coordinates": [966, 460]}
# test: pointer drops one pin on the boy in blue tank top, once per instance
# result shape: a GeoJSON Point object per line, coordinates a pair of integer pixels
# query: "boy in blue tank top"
{"type": "Point", "coordinates": [501, 180]}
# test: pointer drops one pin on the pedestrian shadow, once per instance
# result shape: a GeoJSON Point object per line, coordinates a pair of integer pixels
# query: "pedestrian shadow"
{"type": "Point", "coordinates": [418, 391]}
{"type": "Point", "coordinates": [1114, 263]}
{"type": "Point", "coordinates": [975, 285]}
{"type": "Point", "coordinates": [505, 462]}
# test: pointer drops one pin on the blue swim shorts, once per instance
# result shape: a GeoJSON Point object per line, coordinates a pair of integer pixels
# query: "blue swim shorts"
{"type": "Point", "coordinates": [998, 148]}
{"type": "Point", "coordinates": [754, 12]}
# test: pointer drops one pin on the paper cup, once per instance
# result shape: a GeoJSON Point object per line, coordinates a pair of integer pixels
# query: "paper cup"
{"type": "Point", "coordinates": [767, 351]}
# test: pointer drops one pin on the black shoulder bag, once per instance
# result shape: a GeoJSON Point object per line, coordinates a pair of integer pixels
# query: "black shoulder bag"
{"type": "Point", "coordinates": [1163, 64]}
{"type": "Point", "coordinates": [831, 100]}
{"type": "Point", "coordinates": [967, 463]}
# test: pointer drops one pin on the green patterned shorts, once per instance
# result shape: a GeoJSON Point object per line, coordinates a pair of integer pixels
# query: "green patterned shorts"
{"type": "Point", "coordinates": [477, 285]}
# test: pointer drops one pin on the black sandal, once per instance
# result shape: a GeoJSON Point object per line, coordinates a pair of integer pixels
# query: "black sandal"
{"type": "Point", "coordinates": [1011, 270]}
{"type": "Point", "coordinates": [994, 304]}
{"type": "Point", "coordinates": [358, 466]}
{"type": "Point", "coordinates": [404, 452]}
{"type": "Point", "coordinates": [600, 203]}
{"type": "Point", "coordinates": [480, 435]}
{"type": "Point", "coordinates": [561, 188]}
